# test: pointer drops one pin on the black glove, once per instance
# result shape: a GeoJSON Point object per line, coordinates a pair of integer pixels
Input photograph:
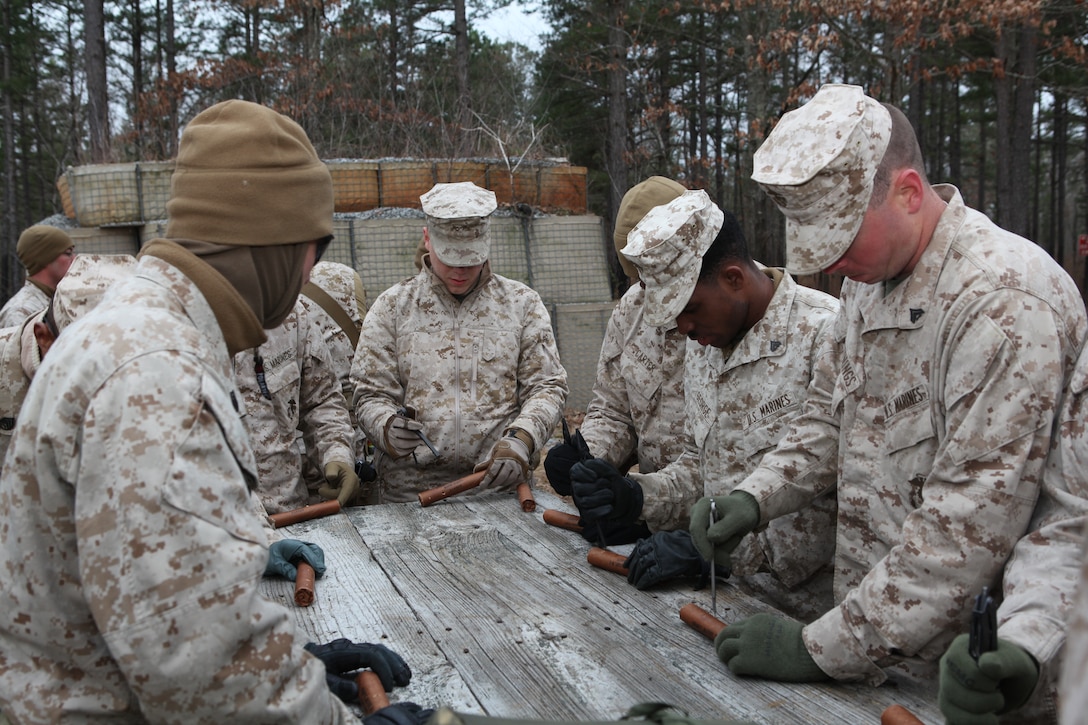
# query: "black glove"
{"type": "Point", "coordinates": [605, 533]}
{"type": "Point", "coordinates": [284, 554]}
{"type": "Point", "coordinates": [365, 471]}
{"type": "Point", "coordinates": [400, 713]}
{"type": "Point", "coordinates": [600, 492]}
{"type": "Point", "coordinates": [342, 657]}
{"type": "Point", "coordinates": [665, 556]}
{"type": "Point", "coordinates": [557, 465]}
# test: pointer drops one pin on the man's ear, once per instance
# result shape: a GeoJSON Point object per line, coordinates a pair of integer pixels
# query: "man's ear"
{"type": "Point", "coordinates": [909, 190]}
{"type": "Point", "coordinates": [731, 276]}
{"type": "Point", "coordinates": [427, 240]}
{"type": "Point", "coordinates": [44, 337]}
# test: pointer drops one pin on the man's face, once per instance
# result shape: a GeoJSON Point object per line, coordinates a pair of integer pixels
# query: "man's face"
{"type": "Point", "coordinates": [63, 261]}
{"type": "Point", "coordinates": [884, 248]}
{"type": "Point", "coordinates": [716, 314]}
{"type": "Point", "coordinates": [458, 280]}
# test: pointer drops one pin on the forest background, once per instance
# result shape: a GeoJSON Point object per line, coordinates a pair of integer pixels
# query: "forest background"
{"type": "Point", "coordinates": [997, 90]}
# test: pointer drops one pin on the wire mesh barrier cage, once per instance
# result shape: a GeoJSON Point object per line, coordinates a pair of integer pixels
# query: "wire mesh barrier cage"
{"type": "Point", "coordinates": [136, 193]}
{"type": "Point", "coordinates": [541, 235]}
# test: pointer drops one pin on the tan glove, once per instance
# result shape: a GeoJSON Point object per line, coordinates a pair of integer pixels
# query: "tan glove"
{"type": "Point", "coordinates": [341, 483]}
{"type": "Point", "coordinates": [401, 435]}
{"type": "Point", "coordinates": [507, 464]}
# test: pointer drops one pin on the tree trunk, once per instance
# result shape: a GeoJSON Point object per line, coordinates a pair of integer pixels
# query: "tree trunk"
{"type": "Point", "coordinates": [617, 109]}
{"type": "Point", "coordinates": [98, 110]}
{"type": "Point", "coordinates": [9, 268]}
{"type": "Point", "coordinates": [1015, 91]}
{"type": "Point", "coordinates": [464, 91]}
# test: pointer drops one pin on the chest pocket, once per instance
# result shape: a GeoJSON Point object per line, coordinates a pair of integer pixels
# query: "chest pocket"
{"type": "Point", "coordinates": [765, 424]}
{"type": "Point", "coordinates": [910, 443]}
{"type": "Point", "coordinates": [283, 379]}
{"type": "Point", "coordinates": [641, 376]}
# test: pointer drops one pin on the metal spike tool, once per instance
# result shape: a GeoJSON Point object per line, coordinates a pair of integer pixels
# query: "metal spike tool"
{"type": "Point", "coordinates": [713, 566]}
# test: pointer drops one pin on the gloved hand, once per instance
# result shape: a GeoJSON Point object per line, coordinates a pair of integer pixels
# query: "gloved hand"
{"type": "Point", "coordinates": [1000, 682]}
{"type": "Point", "coordinates": [341, 483]}
{"type": "Point", "coordinates": [665, 556]}
{"type": "Point", "coordinates": [342, 657]}
{"type": "Point", "coordinates": [507, 464]}
{"type": "Point", "coordinates": [738, 516]}
{"type": "Point", "coordinates": [605, 533]}
{"type": "Point", "coordinates": [557, 465]}
{"type": "Point", "coordinates": [399, 713]}
{"type": "Point", "coordinates": [600, 492]}
{"type": "Point", "coordinates": [401, 435]}
{"type": "Point", "coordinates": [769, 647]}
{"type": "Point", "coordinates": [283, 554]}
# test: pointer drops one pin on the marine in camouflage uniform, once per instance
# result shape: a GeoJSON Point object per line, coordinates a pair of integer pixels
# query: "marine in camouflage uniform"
{"type": "Point", "coordinates": [131, 553]}
{"type": "Point", "coordinates": [336, 301]}
{"type": "Point", "coordinates": [479, 366]}
{"type": "Point", "coordinates": [637, 409]}
{"type": "Point", "coordinates": [1071, 599]}
{"type": "Point", "coordinates": [290, 387]}
{"type": "Point", "coordinates": [753, 334]}
{"type": "Point", "coordinates": [46, 253]}
{"type": "Point", "coordinates": [935, 396]}
{"type": "Point", "coordinates": [22, 347]}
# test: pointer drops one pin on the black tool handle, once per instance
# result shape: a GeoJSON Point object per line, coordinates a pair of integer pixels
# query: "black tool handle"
{"type": "Point", "coordinates": [983, 625]}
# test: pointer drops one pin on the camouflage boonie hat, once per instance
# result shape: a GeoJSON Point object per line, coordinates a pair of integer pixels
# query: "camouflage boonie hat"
{"type": "Point", "coordinates": [639, 199]}
{"type": "Point", "coordinates": [668, 246]}
{"type": "Point", "coordinates": [87, 280]}
{"type": "Point", "coordinates": [818, 166]}
{"type": "Point", "coordinates": [458, 220]}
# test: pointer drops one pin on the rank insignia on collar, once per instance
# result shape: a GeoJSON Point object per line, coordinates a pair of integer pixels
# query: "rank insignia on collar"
{"type": "Point", "coordinates": [916, 314]}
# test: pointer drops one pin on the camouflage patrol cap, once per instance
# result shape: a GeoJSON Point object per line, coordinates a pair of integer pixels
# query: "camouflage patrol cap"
{"type": "Point", "coordinates": [818, 166]}
{"type": "Point", "coordinates": [668, 246]}
{"type": "Point", "coordinates": [458, 220]}
{"type": "Point", "coordinates": [639, 199]}
{"type": "Point", "coordinates": [87, 280]}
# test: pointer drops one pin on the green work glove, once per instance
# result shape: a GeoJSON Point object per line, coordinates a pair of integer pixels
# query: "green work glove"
{"type": "Point", "coordinates": [769, 647]}
{"type": "Point", "coordinates": [737, 516]}
{"type": "Point", "coordinates": [341, 483]}
{"type": "Point", "coordinates": [975, 694]}
{"type": "Point", "coordinates": [284, 554]}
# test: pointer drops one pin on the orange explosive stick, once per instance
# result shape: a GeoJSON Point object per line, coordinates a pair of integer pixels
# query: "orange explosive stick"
{"type": "Point", "coordinates": [709, 626]}
{"type": "Point", "coordinates": [525, 498]}
{"type": "Point", "coordinates": [313, 511]}
{"type": "Point", "coordinates": [372, 695]}
{"type": "Point", "coordinates": [899, 715]}
{"type": "Point", "coordinates": [605, 559]}
{"type": "Point", "coordinates": [562, 519]}
{"type": "Point", "coordinates": [434, 495]}
{"type": "Point", "coordinates": [701, 620]}
{"type": "Point", "coordinates": [304, 584]}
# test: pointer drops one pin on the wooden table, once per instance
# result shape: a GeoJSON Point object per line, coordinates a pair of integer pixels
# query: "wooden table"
{"type": "Point", "coordinates": [500, 613]}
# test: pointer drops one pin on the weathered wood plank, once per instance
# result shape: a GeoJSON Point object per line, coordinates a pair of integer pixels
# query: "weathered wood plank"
{"type": "Point", "coordinates": [498, 612]}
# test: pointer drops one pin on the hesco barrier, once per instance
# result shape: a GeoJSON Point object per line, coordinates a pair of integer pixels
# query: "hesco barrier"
{"type": "Point", "coordinates": [136, 193]}
{"type": "Point", "coordinates": [562, 257]}
{"type": "Point", "coordinates": [378, 225]}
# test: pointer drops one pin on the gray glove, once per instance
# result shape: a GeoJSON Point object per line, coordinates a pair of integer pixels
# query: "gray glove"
{"type": "Point", "coordinates": [284, 554]}
{"type": "Point", "coordinates": [401, 435]}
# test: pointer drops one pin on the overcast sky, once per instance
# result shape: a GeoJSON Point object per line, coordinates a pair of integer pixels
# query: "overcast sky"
{"type": "Point", "coordinates": [514, 24]}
